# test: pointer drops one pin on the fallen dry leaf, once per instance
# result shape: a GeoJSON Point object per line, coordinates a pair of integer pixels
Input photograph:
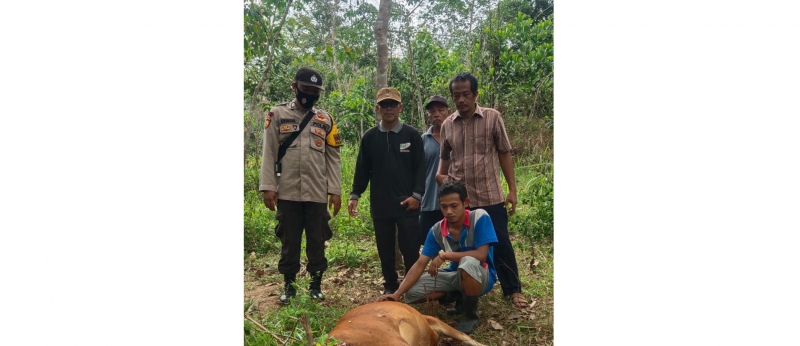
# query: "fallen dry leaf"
{"type": "Point", "coordinates": [533, 264]}
{"type": "Point", "coordinates": [495, 325]}
{"type": "Point", "coordinates": [260, 272]}
{"type": "Point", "coordinates": [514, 316]}
{"type": "Point", "coordinates": [364, 266]}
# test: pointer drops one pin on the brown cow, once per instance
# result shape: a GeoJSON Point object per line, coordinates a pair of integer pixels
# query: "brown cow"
{"type": "Point", "coordinates": [391, 323]}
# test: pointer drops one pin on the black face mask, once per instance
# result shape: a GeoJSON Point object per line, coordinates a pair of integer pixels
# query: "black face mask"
{"type": "Point", "coordinates": [306, 100]}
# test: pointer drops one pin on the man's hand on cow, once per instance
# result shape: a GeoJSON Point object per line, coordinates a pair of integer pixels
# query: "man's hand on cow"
{"type": "Point", "coordinates": [393, 297]}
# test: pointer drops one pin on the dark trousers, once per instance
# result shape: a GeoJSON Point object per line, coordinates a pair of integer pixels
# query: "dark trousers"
{"type": "Point", "coordinates": [407, 229]}
{"type": "Point", "coordinates": [293, 217]}
{"type": "Point", "coordinates": [426, 220]}
{"type": "Point", "coordinates": [505, 261]}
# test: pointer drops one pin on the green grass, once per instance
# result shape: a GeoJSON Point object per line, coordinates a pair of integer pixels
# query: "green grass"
{"type": "Point", "coordinates": [354, 278]}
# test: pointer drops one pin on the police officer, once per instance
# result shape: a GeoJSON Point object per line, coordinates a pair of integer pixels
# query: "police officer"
{"type": "Point", "coordinates": [302, 180]}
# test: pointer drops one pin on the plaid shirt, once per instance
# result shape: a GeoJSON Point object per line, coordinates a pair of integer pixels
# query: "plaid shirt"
{"type": "Point", "coordinates": [472, 148]}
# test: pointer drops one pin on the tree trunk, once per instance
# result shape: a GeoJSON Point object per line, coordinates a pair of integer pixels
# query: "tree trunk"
{"type": "Point", "coordinates": [419, 120]}
{"type": "Point", "coordinates": [381, 30]}
{"type": "Point", "coordinates": [418, 88]}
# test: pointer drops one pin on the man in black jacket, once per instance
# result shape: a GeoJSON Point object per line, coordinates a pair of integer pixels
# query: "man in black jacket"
{"type": "Point", "coordinates": [392, 158]}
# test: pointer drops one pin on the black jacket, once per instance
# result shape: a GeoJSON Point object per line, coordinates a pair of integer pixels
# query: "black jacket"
{"type": "Point", "coordinates": [394, 163]}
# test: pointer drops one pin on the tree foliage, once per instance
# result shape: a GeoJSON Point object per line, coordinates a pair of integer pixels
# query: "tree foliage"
{"type": "Point", "coordinates": [507, 44]}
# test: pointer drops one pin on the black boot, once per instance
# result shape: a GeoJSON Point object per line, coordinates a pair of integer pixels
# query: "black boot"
{"type": "Point", "coordinates": [288, 290]}
{"type": "Point", "coordinates": [452, 296]}
{"type": "Point", "coordinates": [314, 287]}
{"type": "Point", "coordinates": [470, 318]}
{"type": "Point", "coordinates": [456, 310]}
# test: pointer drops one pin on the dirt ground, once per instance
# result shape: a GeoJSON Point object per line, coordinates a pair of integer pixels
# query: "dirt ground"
{"type": "Point", "coordinates": [346, 288]}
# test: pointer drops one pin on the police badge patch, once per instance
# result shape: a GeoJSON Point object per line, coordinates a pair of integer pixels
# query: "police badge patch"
{"type": "Point", "coordinates": [268, 120]}
{"type": "Point", "coordinates": [318, 132]}
{"type": "Point", "coordinates": [289, 128]}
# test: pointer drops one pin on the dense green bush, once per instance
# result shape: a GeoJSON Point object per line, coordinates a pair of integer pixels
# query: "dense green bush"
{"type": "Point", "coordinates": [259, 222]}
{"type": "Point", "coordinates": [533, 220]}
{"type": "Point", "coordinates": [534, 216]}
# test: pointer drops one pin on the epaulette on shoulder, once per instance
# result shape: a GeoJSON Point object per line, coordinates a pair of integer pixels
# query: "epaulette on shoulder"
{"type": "Point", "coordinates": [318, 111]}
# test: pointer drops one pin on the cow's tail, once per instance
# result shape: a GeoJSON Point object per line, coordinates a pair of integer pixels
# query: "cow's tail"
{"type": "Point", "coordinates": [442, 328]}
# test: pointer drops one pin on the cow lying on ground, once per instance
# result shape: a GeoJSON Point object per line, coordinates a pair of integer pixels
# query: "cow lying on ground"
{"type": "Point", "coordinates": [390, 323]}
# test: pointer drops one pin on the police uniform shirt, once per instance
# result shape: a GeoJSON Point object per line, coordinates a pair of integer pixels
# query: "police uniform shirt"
{"type": "Point", "coordinates": [311, 169]}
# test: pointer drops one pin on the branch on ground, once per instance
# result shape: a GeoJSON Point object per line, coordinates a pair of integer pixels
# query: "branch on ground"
{"type": "Point", "coordinates": [261, 328]}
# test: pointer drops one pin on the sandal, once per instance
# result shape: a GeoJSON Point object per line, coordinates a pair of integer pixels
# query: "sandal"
{"type": "Point", "coordinates": [518, 300]}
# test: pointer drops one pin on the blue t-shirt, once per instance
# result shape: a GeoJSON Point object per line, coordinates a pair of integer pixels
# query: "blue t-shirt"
{"type": "Point", "coordinates": [430, 200]}
{"type": "Point", "coordinates": [484, 234]}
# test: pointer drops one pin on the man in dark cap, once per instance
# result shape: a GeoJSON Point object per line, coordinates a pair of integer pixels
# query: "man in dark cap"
{"type": "Point", "coordinates": [300, 173]}
{"type": "Point", "coordinates": [430, 213]}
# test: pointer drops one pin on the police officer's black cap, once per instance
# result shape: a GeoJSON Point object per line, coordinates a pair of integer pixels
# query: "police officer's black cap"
{"type": "Point", "coordinates": [309, 77]}
{"type": "Point", "coordinates": [436, 99]}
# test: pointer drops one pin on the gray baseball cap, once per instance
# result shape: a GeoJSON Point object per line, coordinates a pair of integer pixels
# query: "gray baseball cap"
{"type": "Point", "coordinates": [436, 99]}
